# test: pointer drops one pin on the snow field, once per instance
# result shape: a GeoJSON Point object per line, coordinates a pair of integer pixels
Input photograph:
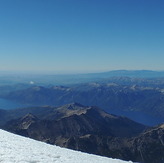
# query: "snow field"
{"type": "Point", "coordinates": [18, 149]}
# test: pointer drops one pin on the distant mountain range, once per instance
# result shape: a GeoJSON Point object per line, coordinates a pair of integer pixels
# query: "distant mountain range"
{"type": "Point", "coordinates": [126, 73]}
{"type": "Point", "coordinates": [67, 79]}
{"type": "Point", "coordinates": [88, 129]}
{"type": "Point", "coordinates": [69, 115]}
{"type": "Point", "coordinates": [144, 104]}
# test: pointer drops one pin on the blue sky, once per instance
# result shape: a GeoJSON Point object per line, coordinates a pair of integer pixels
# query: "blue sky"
{"type": "Point", "coordinates": [81, 35]}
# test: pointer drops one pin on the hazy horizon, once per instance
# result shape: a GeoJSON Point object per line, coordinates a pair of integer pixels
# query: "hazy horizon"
{"type": "Point", "coordinates": [65, 72]}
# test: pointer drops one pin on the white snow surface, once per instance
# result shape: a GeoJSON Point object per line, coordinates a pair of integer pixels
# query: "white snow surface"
{"type": "Point", "coordinates": [18, 149]}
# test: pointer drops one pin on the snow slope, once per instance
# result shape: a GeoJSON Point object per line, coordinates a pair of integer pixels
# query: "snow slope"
{"type": "Point", "coordinates": [18, 149]}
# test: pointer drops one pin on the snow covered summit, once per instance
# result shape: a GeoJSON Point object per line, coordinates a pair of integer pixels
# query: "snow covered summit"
{"type": "Point", "coordinates": [18, 149]}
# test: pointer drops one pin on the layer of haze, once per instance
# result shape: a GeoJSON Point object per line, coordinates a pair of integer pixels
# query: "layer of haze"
{"type": "Point", "coordinates": [81, 35]}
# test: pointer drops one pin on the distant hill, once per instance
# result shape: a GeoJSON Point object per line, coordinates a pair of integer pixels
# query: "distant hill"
{"type": "Point", "coordinates": [131, 73]}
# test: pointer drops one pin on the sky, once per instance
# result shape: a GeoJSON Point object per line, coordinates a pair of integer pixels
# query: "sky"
{"type": "Point", "coordinates": [67, 36]}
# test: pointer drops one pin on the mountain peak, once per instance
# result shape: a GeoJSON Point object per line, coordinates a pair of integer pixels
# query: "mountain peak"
{"type": "Point", "coordinates": [162, 126]}
{"type": "Point", "coordinates": [75, 104]}
{"type": "Point", "coordinates": [72, 106]}
{"type": "Point", "coordinates": [29, 116]}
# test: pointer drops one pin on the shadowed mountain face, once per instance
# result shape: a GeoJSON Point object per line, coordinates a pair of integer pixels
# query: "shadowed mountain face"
{"type": "Point", "coordinates": [148, 147]}
{"type": "Point", "coordinates": [73, 120]}
{"type": "Point", "coordinates": [89, 129]}
{"type": "Point", "coordinates": [142, 104]}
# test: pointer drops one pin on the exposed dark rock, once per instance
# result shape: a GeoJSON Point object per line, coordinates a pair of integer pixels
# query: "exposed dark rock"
{"type": "Point", "coordinates": [91, 130]}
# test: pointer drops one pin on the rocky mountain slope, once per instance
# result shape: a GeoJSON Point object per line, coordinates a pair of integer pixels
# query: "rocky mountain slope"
{"type": "Point", "coordinates": [89, 129]}
{"type": "Point", "coordinates": [17, 149]}
{"type": "Point", "coordinates": [72, 120]}
{"type": "Point", "coordinates": [148, 147]}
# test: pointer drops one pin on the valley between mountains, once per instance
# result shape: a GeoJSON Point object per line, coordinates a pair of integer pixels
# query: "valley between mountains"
{"type": "Point", "coordinates": [138, 100]}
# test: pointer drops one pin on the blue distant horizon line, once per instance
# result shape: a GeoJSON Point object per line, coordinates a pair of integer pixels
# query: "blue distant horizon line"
{"type": "Point", "coordinates": [17, 72]}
